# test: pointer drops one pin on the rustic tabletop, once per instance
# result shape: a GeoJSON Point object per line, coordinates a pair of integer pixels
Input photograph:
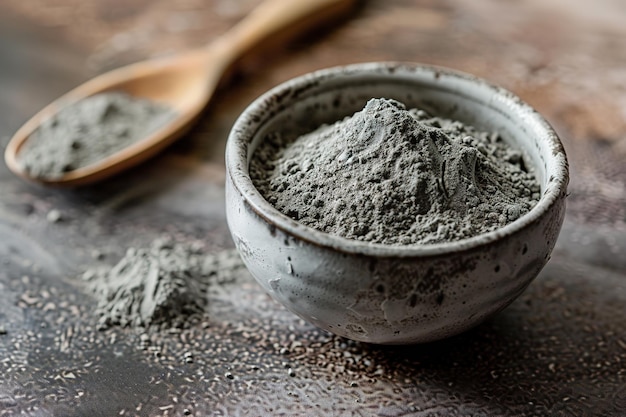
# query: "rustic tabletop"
{"type": "Point", "coordinates": [559, 350]}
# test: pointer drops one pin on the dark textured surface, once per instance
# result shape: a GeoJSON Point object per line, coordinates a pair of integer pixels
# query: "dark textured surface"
{"type": "Point", "coordinates": [559, 350]}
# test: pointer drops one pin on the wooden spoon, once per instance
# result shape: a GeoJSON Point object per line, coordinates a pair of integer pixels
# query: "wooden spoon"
{"type": "Point", "coordinates": [185, 82]}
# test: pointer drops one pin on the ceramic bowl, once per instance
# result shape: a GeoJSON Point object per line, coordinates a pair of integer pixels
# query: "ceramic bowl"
{"type": "Point", "coordinates": [381, 293]}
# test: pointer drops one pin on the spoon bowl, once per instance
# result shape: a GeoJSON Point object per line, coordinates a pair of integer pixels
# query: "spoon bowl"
{"type": "Point", "coordinates": [184, 82]}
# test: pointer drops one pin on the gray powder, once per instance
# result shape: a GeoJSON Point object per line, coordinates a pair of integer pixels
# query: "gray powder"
{"type": "Point", "coordinates": [162, 285]}
{"type": "Point", "coordinates": [396, 176]}
{"type": "Point", "coordinates": [88, 131]}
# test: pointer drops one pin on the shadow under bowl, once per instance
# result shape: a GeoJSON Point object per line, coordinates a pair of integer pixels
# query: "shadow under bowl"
{"type": "Point", "coordinates": [382, 293]}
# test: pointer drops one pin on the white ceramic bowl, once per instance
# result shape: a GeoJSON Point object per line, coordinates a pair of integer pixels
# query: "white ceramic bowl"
{"type": "Point", "coordinates": [392, 294]}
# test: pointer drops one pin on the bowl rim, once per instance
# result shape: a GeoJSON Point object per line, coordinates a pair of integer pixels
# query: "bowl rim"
{"type": "Point", "coordinates": [237, 167]}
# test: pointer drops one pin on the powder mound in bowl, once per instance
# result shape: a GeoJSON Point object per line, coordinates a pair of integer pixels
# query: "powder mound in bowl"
{"type": "Point", "coordinates": [395, 176]}
{"type": "Point", "coordinates": [88, 131]}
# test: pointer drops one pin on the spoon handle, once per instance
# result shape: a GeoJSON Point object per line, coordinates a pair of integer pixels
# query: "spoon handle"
{"type": "Point", "coordinates": [278, 19]}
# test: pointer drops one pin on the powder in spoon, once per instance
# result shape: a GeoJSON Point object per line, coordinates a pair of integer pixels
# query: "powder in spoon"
{"type": "Point", "coordinates": [88, 131]}
{"type": "Point", "coordinates": [395, 176]}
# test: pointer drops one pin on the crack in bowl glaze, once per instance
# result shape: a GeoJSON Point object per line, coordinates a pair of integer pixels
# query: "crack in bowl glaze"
{"type": "Point", "coordinates": [381, 293]}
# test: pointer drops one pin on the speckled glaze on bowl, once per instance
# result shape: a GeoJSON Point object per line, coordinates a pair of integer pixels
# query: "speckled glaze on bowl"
{"type": "Point", "coordinates": [392, 294]}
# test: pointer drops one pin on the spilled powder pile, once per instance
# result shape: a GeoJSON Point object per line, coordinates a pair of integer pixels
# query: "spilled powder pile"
{"type": "Point", "coordinates": [396, 176]}
{"type": "Point", "coordinates": [163, 285]}
{"type": "Point", "coordinates": [88, 131]}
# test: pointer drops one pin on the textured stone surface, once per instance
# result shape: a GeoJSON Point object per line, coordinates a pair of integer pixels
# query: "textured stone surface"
{"type": "Point", "coordinates": [559, 350]}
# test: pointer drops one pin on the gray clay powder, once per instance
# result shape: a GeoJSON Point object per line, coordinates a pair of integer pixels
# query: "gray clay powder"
{"type": "Point", "coordinates": [395, 176]}
{"type": "Point", "coordinates": [162, 285]}
{"type": "Point", "coordinates": [88, 131]}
